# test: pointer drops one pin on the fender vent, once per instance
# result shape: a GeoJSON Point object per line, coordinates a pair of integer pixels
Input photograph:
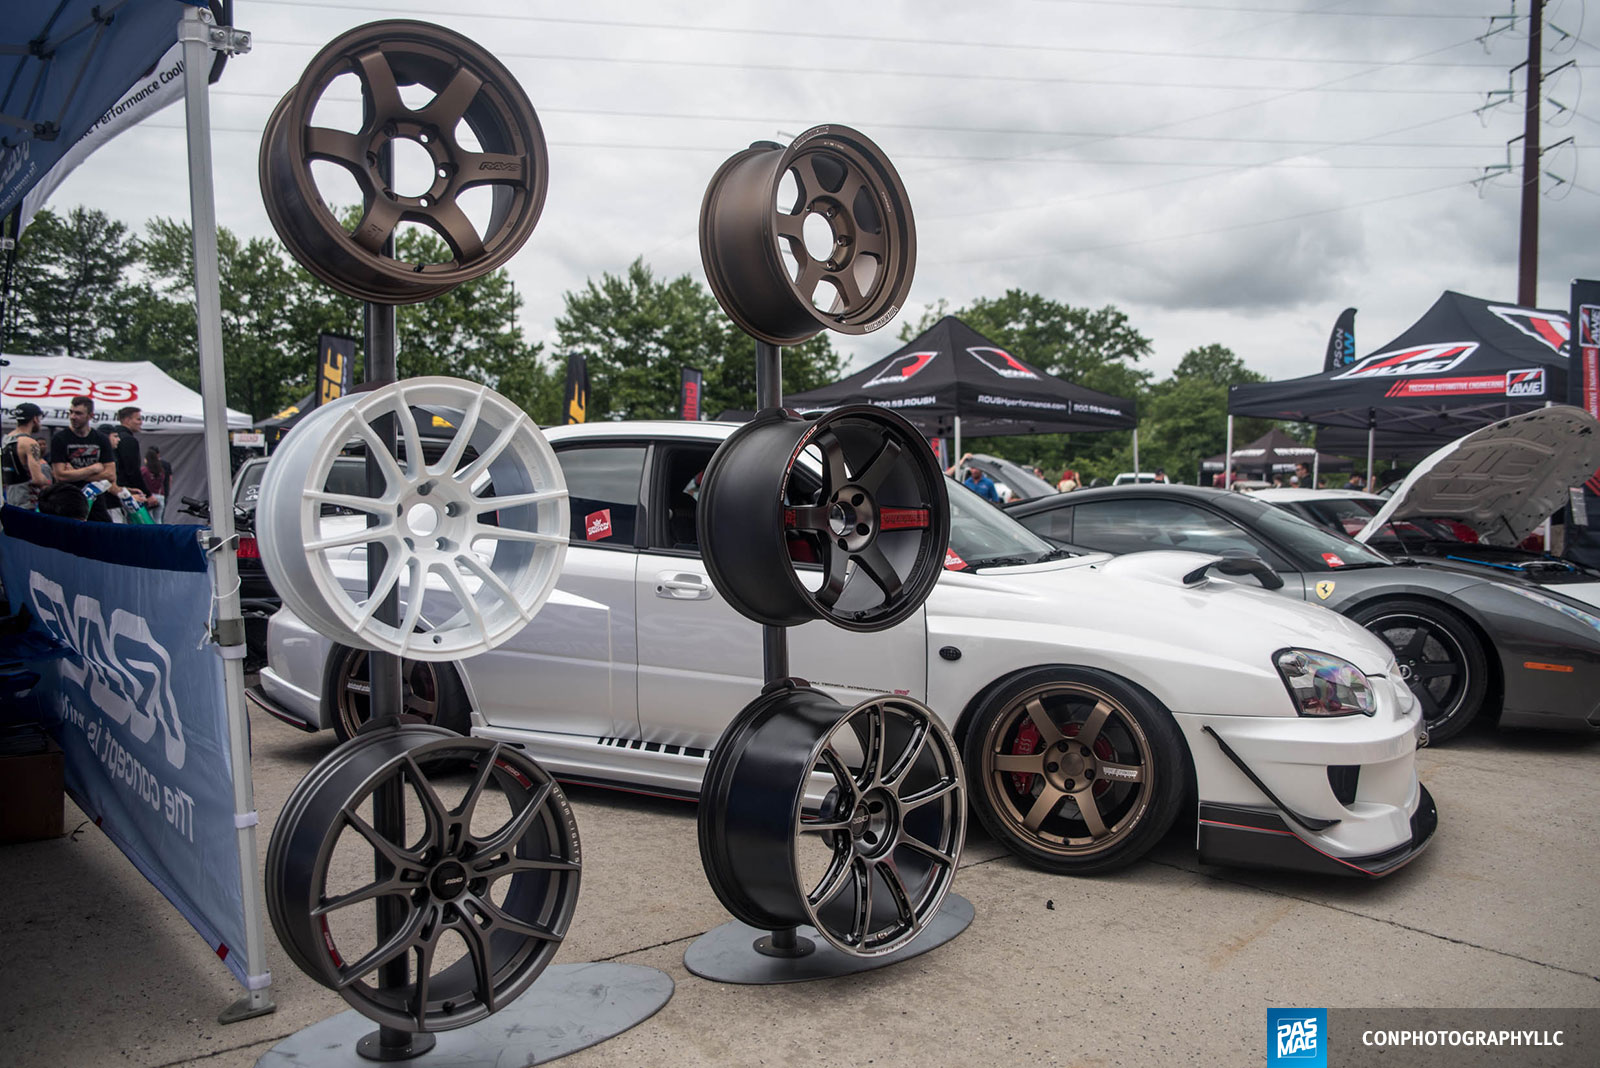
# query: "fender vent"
{"type": "Point", "coordinates": [1343, 778]}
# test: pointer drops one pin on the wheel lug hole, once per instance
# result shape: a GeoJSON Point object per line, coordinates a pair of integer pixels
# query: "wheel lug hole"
{"type": "Point", "coordinates": [858, 499]}
{"type": "Point", "coordinates": [1070, 784]}
{"type": "Point", "coordinates": [843, 544]}
{"type": "Point", "coordinates": [1052, 766]}
{"type": "Point", "coordinates": [863, 529]}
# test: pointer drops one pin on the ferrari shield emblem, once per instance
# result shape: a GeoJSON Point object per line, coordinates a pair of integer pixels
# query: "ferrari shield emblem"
{"type": "Point", "coordinates": [1325, 589]}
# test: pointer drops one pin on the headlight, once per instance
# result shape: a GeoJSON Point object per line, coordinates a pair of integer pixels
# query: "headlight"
{"type": "Point", "coordinates": [1323, 685]}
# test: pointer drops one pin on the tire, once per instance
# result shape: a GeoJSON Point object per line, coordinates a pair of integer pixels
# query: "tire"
{"type": "Point", "coordinates": [432, 691]}
{"type": "Point", "coordinates": [1441, 658]}
{"type": "Point", "coordinates": [1132, 769]}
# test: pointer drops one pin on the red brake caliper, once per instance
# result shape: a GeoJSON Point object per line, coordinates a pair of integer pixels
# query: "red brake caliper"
{"type": "Point", "coordinates": [1028, 742]}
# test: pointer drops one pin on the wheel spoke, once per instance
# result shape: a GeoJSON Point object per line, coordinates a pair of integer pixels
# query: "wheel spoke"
{"type": "Point", "coordinates": [477, 941]}
{"type": "Point", "coordinates": [393, 476]}
{"type": "Point", "coordinates": [376, 226]}
{"type": "Point", "coordinates": [862, 924]}
{"type": "Point", "coordinates": [908, 756]}
{"type": "Point", "coordinates": [833, 463]}
{"type": "Point", "coordinates": [1413, 648]}
{"type": "Point", "coordinates": [416, 590]}
{"type": "Point", "coordinates": [480, 782]}
{"type": "Point", "coordinates": [936, 792]}
{"type": "Point", "coordinates": [508, 836]}
{"type": "Point", "coordinates": [1047, 801]}
{"type": "Point", "coordinates": [872, 747]}
{"type": "Point", "coordinates": [517, 500]}
{"type": "Point", "coordinates": [897, 890]}
{"type": "Point", "coordinates": [936, 855]}
{"type": "Point", "coordinates": [1430, 704]}
{"type": "Point", "coordinates": [805, 176]}
{"type": "Point", "coordinates": [790, 226]}
{"type": "Point", "coordinates": [425, 948]}
{"type": "Point", "coordinates": [871, 244]}
{"type": "Point", "coordinates": [433, 810]}
{"type": "Point", "coordinates": [453, 452]}
{"type": "Point", "coordinates": [838, 565]}
{"type": "Point", "coordinates": [1090, 810]}
{"type": "Point", "coordinates": [337, 146]}
{"type": "Point", "coordinates": [882, 573]}
{"type": "Point", "coordinates": [481, 531]}
{"type": "Point", "coordinates": [840, 869]}
{"type": "Point", "coordinates": [500, 920]}
{"type": "Point", "coordinates": [469, 474]}
{"type": "Point", "coordinates": [1018, 763]}
{"type": "Point", "coordinates": [375, 889]}
{"type": "Point", "coordinates": [510, 864]}
{"type": "Point", "coordinates": [1049, 733]}
{"type": "Point", "coordinates": [387, 579]}
{"type": "Point", "coordinates": [481, 168]}
{"type": "Point", "coordinates": [377, 81]}
{"type": "Point", "coordinates": [878, 469]}
{"type": "Point", "coordinates": [386, 951]}
{"type": "Point", "coordinates": [842, 777]}
{"type": "Point", "coordinates": [398, 857]}
{"type": "Point", "coordinates": [406, 424]}
{"type": "Point", "coordinates": [451, 223]}
{"type": "Point", "coordinates": [493, 581]}
{"type": "Point", "coordinates": [383, 532]}
{"type": "Point", "coordinates": [849, 290]}
{"type": "Point", "coordinates": [381, 506]}
{"type": "Point", "coordinates": [419, 706]}
{"type": "Point", "coordinates": [1089, 733]}
{"type": "Point", "coordinates": [1448, 669]}
{"type": "Point", "coordinates": [451, 103]}
{"type": "Point", "coordinates": [807, 517]}
{"type": "Point", "coordinates": [469, 603]}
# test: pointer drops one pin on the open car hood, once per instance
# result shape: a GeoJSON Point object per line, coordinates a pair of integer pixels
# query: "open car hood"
{"type": "Point", "coordinates": [1503, 480]}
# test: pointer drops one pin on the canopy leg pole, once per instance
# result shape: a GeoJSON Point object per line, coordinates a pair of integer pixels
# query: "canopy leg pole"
{"type": "Point", "coordinates": [1227, 457]}
{"type": "Point", "coordinates": [1136, 454]}
{"type": "Point", "coordinates": [958, 444]}
{"type": "Point", "coordinates": [1316, 462]}
{"type": "Point", "coordinates": [194, 30]}
{"type": "Point", "coordinates": [1372, 440]}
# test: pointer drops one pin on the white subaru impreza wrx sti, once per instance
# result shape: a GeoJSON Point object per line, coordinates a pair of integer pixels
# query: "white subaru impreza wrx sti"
{"type": "Point", "coordinates": [1093, 696]}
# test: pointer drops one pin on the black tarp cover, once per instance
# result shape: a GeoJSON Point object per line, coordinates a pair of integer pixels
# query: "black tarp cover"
{"type": "Point", "coordinates": [1464, 364]}
{"type": "Point", "coordinates": [1275, 451]}
{"type": "Point", "coordinates": [952, 370]}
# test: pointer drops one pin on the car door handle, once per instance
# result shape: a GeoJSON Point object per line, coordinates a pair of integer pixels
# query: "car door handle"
{"type": "Point", "coordinates": [678, 586]}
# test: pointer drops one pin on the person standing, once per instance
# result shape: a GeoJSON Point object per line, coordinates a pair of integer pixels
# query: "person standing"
{"type": "Point", "coordinates": [1068, 482]}
{"type": "Point", "coordinates": [22, 467]}
{"type": "Point", "coordinates": [982, 485]}
{"type": "Point", "coordinates": [156, 475]}
{"type": "Point", "coordinates": [130, 421]}
{"type": "Point", "coordinates": [81, 454]}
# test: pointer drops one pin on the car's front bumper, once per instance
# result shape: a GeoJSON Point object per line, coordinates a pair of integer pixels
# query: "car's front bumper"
{"type": "Point", "coordinates": [1260, 838]}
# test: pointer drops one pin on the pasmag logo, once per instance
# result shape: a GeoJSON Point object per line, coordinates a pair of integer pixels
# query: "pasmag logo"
{"type": "Point", "coordinates": [1417, 360]}
{"type": "Point", "coordinates": [1297, 1037]}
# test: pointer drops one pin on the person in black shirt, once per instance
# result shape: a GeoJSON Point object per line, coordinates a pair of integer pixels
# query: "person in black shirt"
{"type": "Point", "coordinates": [126, 445]}
{"type": "Point", "coordinates": [79, 454]}
{"type": "Point", "coordinates": [22, 459]}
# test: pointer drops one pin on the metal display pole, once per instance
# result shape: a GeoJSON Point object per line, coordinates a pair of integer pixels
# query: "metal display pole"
{"type": "Point", "coordinates": [200, 38]}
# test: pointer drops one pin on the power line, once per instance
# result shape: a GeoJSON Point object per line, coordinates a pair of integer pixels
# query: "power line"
{"type": "Point", "coordinates": [1269, 10]}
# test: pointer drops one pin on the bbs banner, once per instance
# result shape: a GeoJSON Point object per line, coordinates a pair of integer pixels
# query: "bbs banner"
{"type": "Point", "coordinates": [336, 367]}
{"type": "Point", "coordinates": [689, 391]}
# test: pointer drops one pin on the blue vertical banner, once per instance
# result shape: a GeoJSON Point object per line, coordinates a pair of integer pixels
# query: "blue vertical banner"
{"type": "Point", "coordinates": [138, 703]}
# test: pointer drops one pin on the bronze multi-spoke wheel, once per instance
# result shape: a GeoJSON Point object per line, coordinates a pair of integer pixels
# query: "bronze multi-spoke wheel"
{"type": "Point", "coordinates": [843, 517]}
{"type": "Point", "coordinates": [430, 692]}
{"type": "Point", "coordinates": [472, 94]}
{"type": "Point", "coordinates": [850, 821]}
{"type": "Point", "coordinates": [1075, 770]}
{"type": "Point", "coordinates": [815, 236]}
{"type": "Point", "coordinates": [480, 888]}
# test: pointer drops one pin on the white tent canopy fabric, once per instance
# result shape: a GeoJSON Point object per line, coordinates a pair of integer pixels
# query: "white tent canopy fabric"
{"type": "Point", "coordinates": [174, 421]}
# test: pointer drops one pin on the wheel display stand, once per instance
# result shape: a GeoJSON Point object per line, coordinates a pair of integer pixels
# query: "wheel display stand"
{"type": "Point", "coordinates": [507, 892]}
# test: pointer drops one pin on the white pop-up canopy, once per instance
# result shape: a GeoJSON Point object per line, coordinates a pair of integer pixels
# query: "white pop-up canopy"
{"type": "Point", "coordinates": [174, 418]}
{"type": "Point", "coordinates": [51, 382]}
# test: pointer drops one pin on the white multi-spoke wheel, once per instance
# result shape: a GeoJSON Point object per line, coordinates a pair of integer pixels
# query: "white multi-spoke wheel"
{"type": "Point", "coordinates": [850, 821]}
{"type": "Point", "coordinates": [473, 526]}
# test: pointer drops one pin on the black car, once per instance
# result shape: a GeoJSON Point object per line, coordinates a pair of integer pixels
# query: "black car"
{"type": "Point", "coordinates": [1467, 642]}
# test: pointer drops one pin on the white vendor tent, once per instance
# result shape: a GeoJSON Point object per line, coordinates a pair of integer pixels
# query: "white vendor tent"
{"type": "Point", "coordinates": [174, 421]}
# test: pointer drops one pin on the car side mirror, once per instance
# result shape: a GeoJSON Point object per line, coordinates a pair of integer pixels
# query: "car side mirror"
{"type": "Point", "coordinates": [1235, 563]}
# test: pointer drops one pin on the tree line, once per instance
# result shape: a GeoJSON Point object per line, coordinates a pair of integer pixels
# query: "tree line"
{"type": "Point", "coordinates": [87, 286]}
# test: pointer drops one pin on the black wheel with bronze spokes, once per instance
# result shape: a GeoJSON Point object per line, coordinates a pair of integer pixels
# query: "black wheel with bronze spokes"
{"type": "Point", "coordinates": [1075, 770]}
{"type": "Point", "coordinates": [482, 885]}
{"type": "Point", "coordinates": [430, 691]}
{"type": "Point", "coordinates": [843, 517]}
{"type": "Point", "coordinates": [850, 821]}
{"type": "Point", "coordinates": [815, 236]}
{"type": "Point", "coordinates": [472, 93]}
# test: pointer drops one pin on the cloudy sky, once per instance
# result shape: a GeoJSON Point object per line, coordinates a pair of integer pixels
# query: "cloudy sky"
{"type": "Point", "coordinates": [1230, 171]}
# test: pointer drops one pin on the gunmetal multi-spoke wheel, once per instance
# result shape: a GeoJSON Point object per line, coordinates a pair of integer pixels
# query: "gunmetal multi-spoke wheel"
{"type": "Point", "coordinates": [479, 889]}
{"type": "Point", "coordinates": [843, 517]}
{"type": "Point", "coordinates": [1075, 770]}
{"type": "Point", "coordinates": [1440, 659]}
{"type": "Point", "coordinates": [817, 235]}
{"type": "Point", "coordinates": [471, 92]}
{"type": "Point", "coordinates": [429, 691]}
{"type": "Point", "coordinates": [474, 534]}
{"type": "Point", "coordinates": [850, 821]}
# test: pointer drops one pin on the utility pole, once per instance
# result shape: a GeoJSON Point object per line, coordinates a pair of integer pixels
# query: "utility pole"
{"type": "Point", "coordinates": [1528, 251]}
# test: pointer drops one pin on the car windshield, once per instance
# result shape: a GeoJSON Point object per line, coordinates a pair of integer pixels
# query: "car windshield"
{"type": "Point", "coordinates": [981, 535]}
{"type": "Point", "coordinates": [1319, 548]}
{"type": "Point", "coordinates": [1351, 514]}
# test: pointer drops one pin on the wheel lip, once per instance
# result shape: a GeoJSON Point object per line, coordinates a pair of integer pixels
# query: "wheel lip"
{"type": "Point", "coordinates": [306, 579]}
{"type": "Point", "coordinates": [764, 302]}
{"type": "Point", "coordinates": [1005, 811]}
{"type": "Point", "coordinates": [390, 283]}
{"type": "Point", "coordinates": [1440, 632]}
{"type": "Point", "coordinates": [354, 771]}
{"type": "Point", "coordinates": [956, 825]}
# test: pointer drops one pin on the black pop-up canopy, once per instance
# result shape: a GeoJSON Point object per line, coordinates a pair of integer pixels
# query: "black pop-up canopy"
{"type": "Point", "coordinates": [1464, 364]}
{"type": "Point", "coordinates": [951, 378]}
{"type": "Point", "coordinates": [1275, 451]}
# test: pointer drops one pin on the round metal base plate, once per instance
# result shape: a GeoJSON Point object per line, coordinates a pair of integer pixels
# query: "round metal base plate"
{"type": "Point", "coordinates": [571, 1007]}
{"type": "Point", "coordinates": [727, 954]}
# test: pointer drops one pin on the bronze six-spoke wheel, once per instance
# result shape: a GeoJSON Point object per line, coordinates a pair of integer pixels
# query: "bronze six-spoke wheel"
{"type": "Point", "coordinates": [1077, 771]}
{"type": "Point", "coordinates": [850, 821]}
{"type": "Point", "coordinates": [815, 236]}
{"type": "Point", "coordinates": [843, 517]}
{"type": "Point", "coordinates": [472, 92]}
{"type": "Point", "coordinates": [429, 691]}
{"type": "Point", "coordinates": [481, 887]}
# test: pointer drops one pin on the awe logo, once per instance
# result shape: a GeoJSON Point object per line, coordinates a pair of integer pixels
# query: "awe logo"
{"type": "Point", "coordinates": [1525, 383]}
{"type": "Point", "coordinates": [1417, 360]}
{"type": "Point", "coordinates": [1002, 363]}
{"type": "Point", "coordinates": [900, 369]}
{"type": "Point", "coordinates": [1552, 328]}
{"type": "Point", "coordinates": [121, 669]}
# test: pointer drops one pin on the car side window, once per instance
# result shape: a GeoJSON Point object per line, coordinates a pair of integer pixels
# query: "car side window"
{"type": "Point", "coordinates": [603, 492]}
{"type": "Point", "coordinates": [1055, 523]}
{"type": "Point", "coordinates": [678, 469]}
{"type": "Point", "coordinates": [1138, 525]}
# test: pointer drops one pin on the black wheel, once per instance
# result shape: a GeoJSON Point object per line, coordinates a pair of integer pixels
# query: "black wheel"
{"type": "Point", "coordinates": [818, 235]}
{"type": "Point", "coordinates": [847, 820]}
{"type": "Point", "coordinates": [876, 528]}
{"type": "Point", "coordinates": [431, 692]}
{"type": "Point", "coordinates": [1075, 770]}
{"type": "Point", "coordinates": [480, 887]}
{"type": "Point", "coordinates": [1440, 658]}
{"type": "Point", "coordinates": [473, 92]}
